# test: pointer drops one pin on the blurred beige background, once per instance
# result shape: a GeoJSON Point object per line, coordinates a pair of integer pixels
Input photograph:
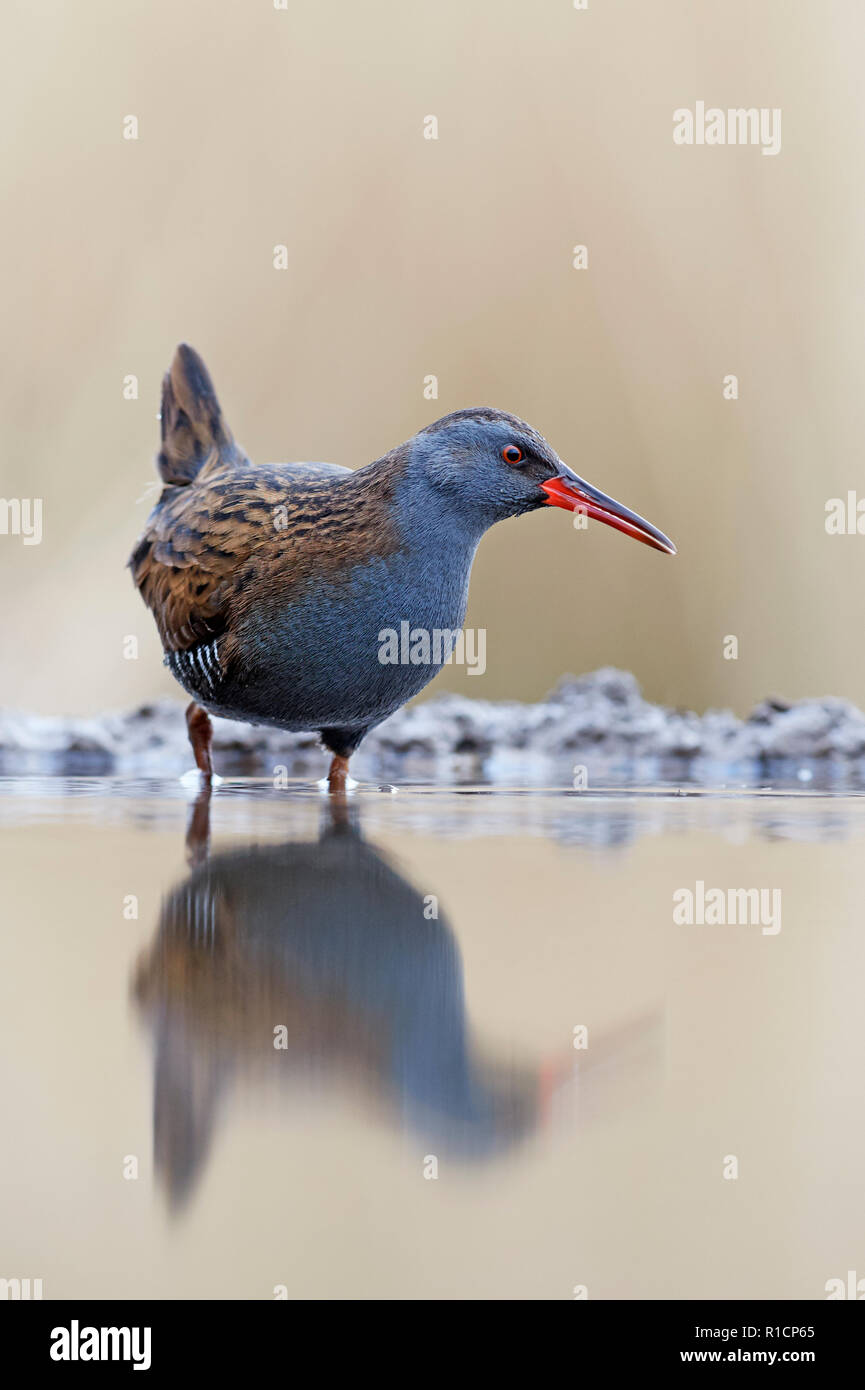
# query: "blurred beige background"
{"type": "Point", "coordinates": [410, 257]}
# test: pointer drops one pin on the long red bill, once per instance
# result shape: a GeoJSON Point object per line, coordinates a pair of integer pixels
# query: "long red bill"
{"type": "Point", "coordinates": [574, 494]}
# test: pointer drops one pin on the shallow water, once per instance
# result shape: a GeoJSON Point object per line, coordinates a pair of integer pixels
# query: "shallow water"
{"type": "Point", "coordinates": [425, 958]}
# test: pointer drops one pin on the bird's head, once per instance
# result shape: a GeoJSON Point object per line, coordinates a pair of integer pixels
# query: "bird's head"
{"type": "Point", "coordinates": [491, 465]}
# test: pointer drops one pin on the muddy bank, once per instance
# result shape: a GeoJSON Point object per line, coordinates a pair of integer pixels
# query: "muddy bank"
{"type": "Point", "coordinates": [600, 716]}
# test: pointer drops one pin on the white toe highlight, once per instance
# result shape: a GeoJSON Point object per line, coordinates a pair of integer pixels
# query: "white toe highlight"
{"type": "Point", "coordinates": [348, 785]}
{"type": "Point", "coordinates": [194, 778]}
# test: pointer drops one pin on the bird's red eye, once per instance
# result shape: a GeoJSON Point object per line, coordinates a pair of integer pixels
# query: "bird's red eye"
{"type": "Point", "coordinates": [511, 454]}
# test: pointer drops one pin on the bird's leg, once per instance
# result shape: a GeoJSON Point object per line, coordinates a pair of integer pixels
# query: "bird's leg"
{"type": "Point", "coordinates": [338, 774]}
{"type": "Point", "coordinates": [200, 732]}
{"type": "Point", "coordinates": [341, 743]}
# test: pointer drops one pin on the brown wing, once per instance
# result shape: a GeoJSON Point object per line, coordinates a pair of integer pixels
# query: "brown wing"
{"type": "Point", "coordinates": [189, 561]}
{"type": "Point", "coordinates": [217, 511]}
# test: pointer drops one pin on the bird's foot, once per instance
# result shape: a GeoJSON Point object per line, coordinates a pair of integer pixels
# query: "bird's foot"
{"type": "Point", "coordinates": [338, 779]}
{"type": "Point", "coordinates": [196, 778]}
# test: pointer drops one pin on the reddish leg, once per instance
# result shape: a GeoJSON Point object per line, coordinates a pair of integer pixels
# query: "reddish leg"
{"type": "Point", "coordinates": [200, 732]}
{"type": "Point", "coordinates": [338, 775]}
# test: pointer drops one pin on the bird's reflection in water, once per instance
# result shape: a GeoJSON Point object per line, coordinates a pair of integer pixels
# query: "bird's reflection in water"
{"type": "Point", "coordinates": [327, 943]}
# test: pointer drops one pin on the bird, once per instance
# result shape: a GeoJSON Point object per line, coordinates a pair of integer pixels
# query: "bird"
{"type": "Point", "coordinates": [271, 584]}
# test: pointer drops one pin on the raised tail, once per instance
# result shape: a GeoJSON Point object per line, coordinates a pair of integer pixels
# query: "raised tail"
{"type": "Point", "coordinates": [193, 430]}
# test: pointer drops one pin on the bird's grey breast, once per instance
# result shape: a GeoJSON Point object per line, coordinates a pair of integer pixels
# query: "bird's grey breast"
{"type": "Point", "coordinates": [349, 650]}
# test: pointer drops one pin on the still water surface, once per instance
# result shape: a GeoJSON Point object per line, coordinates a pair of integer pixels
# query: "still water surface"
{"type": "Point", "coordinates": [425, 1127]}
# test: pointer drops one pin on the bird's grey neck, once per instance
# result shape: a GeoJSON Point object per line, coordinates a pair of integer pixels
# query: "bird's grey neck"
{"type": "Point", "coordinates": [428, 514]}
